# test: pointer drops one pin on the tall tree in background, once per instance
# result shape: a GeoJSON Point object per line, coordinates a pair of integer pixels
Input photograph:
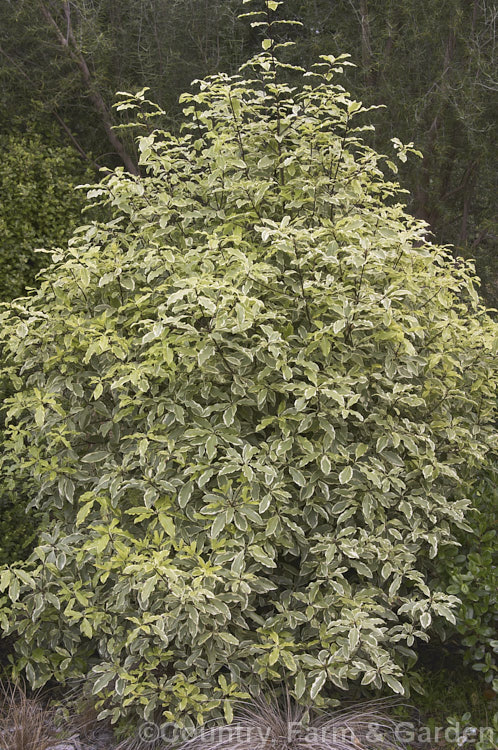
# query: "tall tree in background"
{"type": "Point", "coordinates": [62, 21]}
{"type": "Point", "coordinates": [66, 60]}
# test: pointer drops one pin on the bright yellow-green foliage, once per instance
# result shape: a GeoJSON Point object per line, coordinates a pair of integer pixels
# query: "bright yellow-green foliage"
{"type": "Point", "coordinates": [39, 207]}
{"type": "Point", "coordinates": [252, 404]}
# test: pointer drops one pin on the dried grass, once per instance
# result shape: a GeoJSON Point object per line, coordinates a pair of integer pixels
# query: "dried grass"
{"type": "Point", "coordinates": [269, 726]}
{"type": "Point", "coordinates": [25, 723]}
{"type": "Point", "coordinates": [30, 724]}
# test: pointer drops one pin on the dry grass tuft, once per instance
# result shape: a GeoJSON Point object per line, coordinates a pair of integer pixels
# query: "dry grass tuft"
{"type": "Point", "coordinates": [25, 723]}
{"type": "Point", "coordinates": [29, 724]}
{"type": "Point", "coordinates": [269, 726]}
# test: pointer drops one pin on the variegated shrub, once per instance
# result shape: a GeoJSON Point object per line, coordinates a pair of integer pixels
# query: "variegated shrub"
{"type": "Point", "coordinates": [251, 405]}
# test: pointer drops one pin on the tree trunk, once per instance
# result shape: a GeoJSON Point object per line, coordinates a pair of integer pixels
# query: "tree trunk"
{"type": "Point", "coordinates": [69, 44]}
{"type": "Point", "coordinates": [423, 198]}
{"type": "Point", "coordinates": [366, 46]}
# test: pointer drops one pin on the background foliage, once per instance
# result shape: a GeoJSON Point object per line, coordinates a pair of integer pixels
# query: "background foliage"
{"type": "Point", "coordinates": [471, 573]}
{"type": "Point", "coordinates": [40, 207]}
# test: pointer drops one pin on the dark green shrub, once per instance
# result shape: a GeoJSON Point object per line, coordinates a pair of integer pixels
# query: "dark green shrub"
{"type": "Point", "coordinates": [470, 571]}
{"type": "Point", "coordinates": [252, 405]}
{"type": "Point", "coordinates": [39, 207]}
{"type": "Point", "coordinates": [18, 529]}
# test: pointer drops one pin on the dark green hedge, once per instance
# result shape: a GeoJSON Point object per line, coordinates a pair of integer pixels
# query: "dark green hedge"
{"type": "Point", "coordinates": [39, 207]}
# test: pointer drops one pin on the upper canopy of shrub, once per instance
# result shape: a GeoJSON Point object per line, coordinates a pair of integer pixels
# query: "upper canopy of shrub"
{"type": "Point", "coordinates": [251, 404]}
